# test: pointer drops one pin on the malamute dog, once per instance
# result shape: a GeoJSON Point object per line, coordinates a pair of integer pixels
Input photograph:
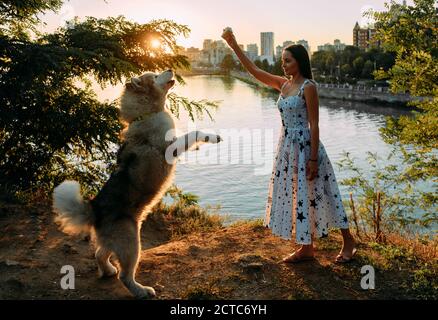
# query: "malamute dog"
{"type": "Point", "coordinates": [145, 166]}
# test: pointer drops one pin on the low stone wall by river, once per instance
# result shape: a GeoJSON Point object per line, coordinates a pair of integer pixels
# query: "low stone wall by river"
{"type": "Point", "coordinates": [359, 93]}
{"type": "Point", "coordinates": [331, 91]}
{"type": "Point", "coordinates": [343, 92]}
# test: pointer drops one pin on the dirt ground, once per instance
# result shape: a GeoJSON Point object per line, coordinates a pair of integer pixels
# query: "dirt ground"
{"type": "Point", "coordinates": [238, 262]}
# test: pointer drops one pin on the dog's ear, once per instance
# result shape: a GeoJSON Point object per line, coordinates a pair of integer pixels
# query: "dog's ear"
{"type": "Point", "coordinates": [134, 84]}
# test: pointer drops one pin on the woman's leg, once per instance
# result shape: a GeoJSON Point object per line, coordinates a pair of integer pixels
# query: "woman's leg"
{"type": "Point", "coordinates": [348, 245]}
{"type": "Point", "coordinates": [306, 252]}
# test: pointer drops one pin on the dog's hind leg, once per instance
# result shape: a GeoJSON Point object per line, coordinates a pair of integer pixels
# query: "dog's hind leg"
{"type": "Point", "coordinates": [127, 250]}
{"type": "Point", "coordinates": [106, 269]}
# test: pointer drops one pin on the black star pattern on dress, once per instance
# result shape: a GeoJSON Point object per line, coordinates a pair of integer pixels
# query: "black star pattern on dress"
{"type": "Point", "coordinates": [345, 219]}
{"type": "Point", "coordinates": [322, 196]}
{"type": "Point", "coordinates": [301, 217]}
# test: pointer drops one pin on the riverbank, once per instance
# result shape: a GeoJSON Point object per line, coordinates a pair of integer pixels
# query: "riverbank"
{"type": "Point", "coordinates": [343, 92]}
{"type": "Point", "coordinates": [362, 94]}
{"type": "Point", "coordinates": [241, 261]}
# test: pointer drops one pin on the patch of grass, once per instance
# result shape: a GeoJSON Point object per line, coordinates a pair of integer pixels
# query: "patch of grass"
{"type": "Point", "coordinates": [255, 224]}
{"type": "Point", "coordinates": [185, 216]}
{"type": "Point", "coordinates": [208, 291]}
{"type": "Point", "coordinates": [422, 279]}
{"type": "Point", "coordinates": [393, 254]}
{"type": "Point", "coordinates": [367, 259]}
{"type": "Point", "coordinates": [327, 244]}
{"type": "Point", "coordinates": [423, 283]}
{"type": "Point", "coordinates": [201, 293]}
{"type": "Point", "coordinates": [183, 220]}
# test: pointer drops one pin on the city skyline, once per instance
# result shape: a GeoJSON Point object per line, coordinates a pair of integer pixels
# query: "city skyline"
{"type": "Point", "coordinates": [332, 20]}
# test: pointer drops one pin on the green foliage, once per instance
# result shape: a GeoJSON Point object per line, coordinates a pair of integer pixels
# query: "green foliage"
{"type": "Point", "coordinates": [264, 65]}
{"type": "Point", "coordinates": [393, 253]}
{"type": "Point", "coordinates": [228, 63]}
{"type": "Point", "coordinates": [424, 282]}
{"type": "Point", "coordinates": [277, 68]}
{"type": "Point", "coordinates": [400, 198]}
{"type": "Point", "coordinates": [351, 64]}
{"type": "Point", "coordinates": [19, 17]}
{"type": "Point", "coordinates": [184, 216]}
{"type": "Point", "coordinates": [178, 195]}
{"type": "Point", "coordinates": [194, 108]}
{"type": "Point", "coordinates": [411, 32]}
{"type": "Point", "coordinates": [53, 127]}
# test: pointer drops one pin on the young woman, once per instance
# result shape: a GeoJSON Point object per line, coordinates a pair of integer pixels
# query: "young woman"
{"type": "Point", "coordinates": [303, 192]}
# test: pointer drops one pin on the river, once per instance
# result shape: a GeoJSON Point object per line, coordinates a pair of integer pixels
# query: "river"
{"type": "Point", "coordinates": [235, 173]}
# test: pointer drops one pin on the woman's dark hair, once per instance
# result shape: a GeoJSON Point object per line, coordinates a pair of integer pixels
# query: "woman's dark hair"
{"type": "Point", "coordinates": [300, 54]}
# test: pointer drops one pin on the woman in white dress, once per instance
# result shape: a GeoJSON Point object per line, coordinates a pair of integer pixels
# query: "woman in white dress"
{"type": "Point", "coordinates": [303, 195]}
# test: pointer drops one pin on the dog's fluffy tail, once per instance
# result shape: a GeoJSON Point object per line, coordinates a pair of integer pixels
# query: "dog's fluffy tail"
{"type": "Point", "coordinates": [73, 213]}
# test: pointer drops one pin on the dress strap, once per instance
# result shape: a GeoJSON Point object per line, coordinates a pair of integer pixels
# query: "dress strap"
{"type": "Point", "coordinates": [301, 91]}
{"type": "Point", "coordinates": [282, 86]}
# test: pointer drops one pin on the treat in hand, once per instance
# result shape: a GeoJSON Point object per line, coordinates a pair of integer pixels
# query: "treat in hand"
{"type": "Point", "coordinates": [228, 29]}
{"type": "Point", "coordinates": [228, 34]}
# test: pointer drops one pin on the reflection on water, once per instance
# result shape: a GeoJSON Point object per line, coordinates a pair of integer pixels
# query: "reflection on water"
{"type": "Point", "coordinates": [238, 185]}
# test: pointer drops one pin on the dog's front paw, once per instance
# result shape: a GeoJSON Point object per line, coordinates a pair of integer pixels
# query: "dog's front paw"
{"type": "Point", "coordinates": [213, 138]}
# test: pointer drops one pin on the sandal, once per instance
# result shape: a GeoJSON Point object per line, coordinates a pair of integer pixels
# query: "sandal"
{"type": "Point", "coordinates": [342, 259]}
{"type": "Point", "coordinates": [296, 258]}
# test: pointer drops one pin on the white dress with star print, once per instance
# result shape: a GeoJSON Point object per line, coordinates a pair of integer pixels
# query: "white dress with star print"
{"type": "Point", "coordinates": [295, 204]}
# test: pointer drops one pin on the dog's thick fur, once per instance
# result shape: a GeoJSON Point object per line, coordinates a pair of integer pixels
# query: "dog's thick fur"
{"type": "Point", "coordinates": [143, 174]}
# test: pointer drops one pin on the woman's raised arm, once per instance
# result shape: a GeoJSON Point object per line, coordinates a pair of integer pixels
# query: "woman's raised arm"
{"type": "Point", "coordinates": [271, 80]}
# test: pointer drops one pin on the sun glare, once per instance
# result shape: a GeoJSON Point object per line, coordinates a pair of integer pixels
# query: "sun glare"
{"type": "Point", "coordinates": [155, 43]}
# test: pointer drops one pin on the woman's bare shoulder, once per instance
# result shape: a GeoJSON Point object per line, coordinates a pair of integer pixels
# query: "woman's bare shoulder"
{"type": "Point", "coordinates": [310, 85]}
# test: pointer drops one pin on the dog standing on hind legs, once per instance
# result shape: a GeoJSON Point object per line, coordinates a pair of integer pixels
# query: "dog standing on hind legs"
{"type": "Point", "coordinates": [145, 168]}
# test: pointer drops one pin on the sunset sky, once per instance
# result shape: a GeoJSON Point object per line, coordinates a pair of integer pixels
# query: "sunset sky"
{"type": "Point", "coordinates": [317, 21]}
